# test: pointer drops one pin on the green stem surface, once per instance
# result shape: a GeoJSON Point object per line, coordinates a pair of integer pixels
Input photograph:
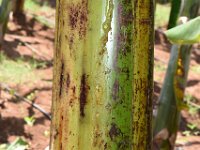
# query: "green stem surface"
{"type": "Point", "coordinates": [103, 68]}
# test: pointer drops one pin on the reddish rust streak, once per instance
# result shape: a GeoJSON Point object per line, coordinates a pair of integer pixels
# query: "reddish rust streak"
{"type": "Point", "coordinates": [68, 82]}
{"type": "Point", "coordinates": [61, 79]}
{"type": "Point", "coordinates": [73, 96]}
{"type": "Point", "coordinates": [83, 94]}
{"type": "Point", "coordinates": [60, 129]}
{"type": "Point", "coordinates": [74, 89]}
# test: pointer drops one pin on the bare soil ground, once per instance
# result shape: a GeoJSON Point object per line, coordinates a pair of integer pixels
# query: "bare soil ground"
{"type": "Point", "coordinates": [23, 38]}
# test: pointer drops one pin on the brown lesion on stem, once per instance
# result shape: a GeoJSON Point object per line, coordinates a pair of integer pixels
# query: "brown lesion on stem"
{"type": "Point", "coordinates": [115, 90]}
{"type": "Point", "coordinates": [61, 79]}
{"type": "Point", "coordinates": [71, 41]}
{"type": "Point", "coordinates": [140, 85]}
{"type": "Point", "coordinates": [55, 134]}
{"type": "Point", "coordinates": [145, 21]}
{"type": "Point", "coordinates": [114, 131]}
{"type": "Point", "coordinates": [67, 82]}
{"type": "Point", "coordinates": [74, 89]}
{"type": "Point", "coordinates": [83, 94]}
{"type": "Point", "coordinates": [78, 17]}
{"type": "Point", "coordinates": [73, 96]}
{"type": "Point", "coordinates": [60, 132]}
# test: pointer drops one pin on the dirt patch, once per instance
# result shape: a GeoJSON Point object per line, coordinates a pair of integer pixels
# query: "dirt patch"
{"type": "Point", "coordinates": [32, 41]}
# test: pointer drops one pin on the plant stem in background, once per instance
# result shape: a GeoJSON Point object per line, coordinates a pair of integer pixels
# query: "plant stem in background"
{"type": "Point", "coordinates": [167, 120]}
{"type": "Point", "coordinates": [191, 8]}
{"type": "Point", "coordinates": [142, 73]}
{"type": "Point", "coordinates": [18, 12]}
{"type": "Point", "coordinates": [171, 100]}
{"type": "Point", "coordinates": [5, 8]}
{"type": "Point", "coordinates": [103, 68]}
{"type": "Point", "coordinates": [175, 13]}
{"type": "Point", "coordinates": [19, 7]}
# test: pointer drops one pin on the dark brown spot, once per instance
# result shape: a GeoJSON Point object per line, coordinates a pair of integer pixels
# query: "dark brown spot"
{"type": "Point", "coordinates": [126, 71]}
{"type": "Point", "coordinates": [83, 94]}
{"type": "Point", "coordinates": [115, 90]}
{"type": "Point", "coordinates": [78, 17]}
{"type": "Point", "coordinates": [124, 143]}
{"type": "Point", "coordinates": [67, 82]}
{"type": "Point", "coordinates": [71, 41]}
{"type": "Point", "coordinates": [71, 102]}
{"type": "Point", "coordinates": [56, 134]}
{"type": "Point", "coordinates": [145, 21]}
{"type": "Point", "coordinates": [74, 89]}
{"type": "Point", "coordinates": [73, 17]}
{"type": "Point", "coordinates": [61, 79]}
{"type": "Point", "coordinates": [180, 86]}
{"type": "Point", "coordinates": [60, 132]}
{"type": "Point", "coordinates": [140, 84]}
{"type": "Point", "coordinates": [114, 131]}
{"type": "Point", "coordinates": [105, 146]}
{"type": "Point", "coordinates": [73, 96]}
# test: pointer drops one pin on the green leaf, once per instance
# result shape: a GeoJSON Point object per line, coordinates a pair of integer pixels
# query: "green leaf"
{"type": "Point", "coordinates": [29, 120]}
{"type": "Point", "coordinates": [191, 126]}
{"type": "Point", "coordinates": [188, 33]}
{"type": "Point", "coordinates": [186, 133]}
{"type": "Point", "coordinates": [18, 144]}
